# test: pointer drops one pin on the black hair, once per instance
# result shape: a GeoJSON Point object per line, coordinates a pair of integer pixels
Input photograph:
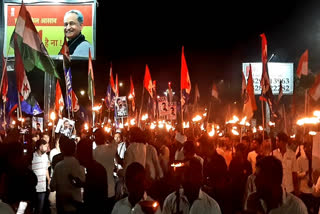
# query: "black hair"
{"type": "Point", "coordinates": [271, 168]}
{"type": "Point", "coordinates": [40, 142]}
{"type": "Point", "coordinates": [134, 169]}
{"type": "Point", "coordinates": [283, 137]}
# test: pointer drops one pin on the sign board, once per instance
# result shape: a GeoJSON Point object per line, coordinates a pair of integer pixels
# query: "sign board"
{"type": "Point", "coordinates": [173, 111]}
{"type": "Point", "coordinates": [277, 72]}
{"type": "Point", "coordinates": [48, 19]}
{"type": "Point", "coordinates": [121, 107]}
{"type": "Point", "coordinates": [163, 106]}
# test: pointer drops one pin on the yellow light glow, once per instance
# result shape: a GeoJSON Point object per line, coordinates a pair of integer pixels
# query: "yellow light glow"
{"type": "Point", "coordinates": [152, 126]}
{"type": "Point", "coordinates": [235, 132]}
{"type": "Point", "coordinates": [316, 113]}
{"type": "Point", "coordinates": [272, 123]}
{"type": "Point", "coordinates": [196, 118]}
{"type": "Point", "coordinates": [243, 121]}
{"type": "Point", "coordinates": [107, 129]}
{"type": "Point", "coordinates": [248, 124]}
{"type": "Point", "coordinates": [130, 96]}
{"type": "Point", "coordinates": [308, 120]}
{"type": "Point", "coordinates": [212, 132]}
{"type": "Point", "coordinates": [86, 126]}
{"type": "Point", "coordinates": [313, 133]}
{"type": "Point", "coordinates": [204, 114]}
{"type": "Point", "coordinates": [202, 127]}
{"type": "Point", "coordinates": [13, 122]}
{"type": "Point", "coordinates": [96, 108]}
{"type": "Point", "coordinates": [144, 117]}
{"type": "Point", "coordinates": [155, 204]}
{"type": "Point", "coordinates": [50, 124]}
{"type": "Point", "coordinates": [293, 136]}
{"type": "Point", "coordinates": [235, 119]}
{"type": "Point", "coordinates": [260, 128]}
{"type": "Point", "coordinates": [133, 122]}
{"type": "Point", "coordinates": [185, 125]}
{"type": "Point", "coordinates": [53, 115]}
{"type": "Point", "coordinates": [121, 125]}
{"type": "Point", "coordinates": [168, 127]}
{"type": "Point", "coordinates": [177, 165]}
{"type": "Point", "coordinates": [220, 134]}
{"type": "Point", "coordinates": [254, 129]}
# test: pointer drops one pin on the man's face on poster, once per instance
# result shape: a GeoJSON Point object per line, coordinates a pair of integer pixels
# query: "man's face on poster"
{"type": "Point", "coordinates": [172, 111]}
{"type": "Point", "coordinates": [119, 103]}
{"type": "Point", "coordinates": [66, 124]}
{"type": "Point", "coordinates": [72, 27]}
{"type": "Point", "coordinates": [164, 106]}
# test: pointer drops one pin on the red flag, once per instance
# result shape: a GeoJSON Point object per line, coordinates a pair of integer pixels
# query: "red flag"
{"type": "Point", "coordinates": [132, 94]}
{"type": "Point", "coordinates": [265, 84]}
{"type": "Point", "coordinates": [4, 81]}
{"type": "Point", "coordinates": [75, 103]}
{"type": "Point", "coordinates": [303, 65]}
{"type": "Point", "coordinates": [91, 88]}
{"type": "Point", "coordinates": [59, 103]}
{"type": "Point", "coordinates": [185, 79]}
{"type": "Point", "coordinates": [117, 86]}
{"type": "Point", "coordinates": [147, 82]}
{"type": "Point", "coordinates": [23, 85]}
{"type": "Point", "coordinates": [314, 91]}
{"type": "Point", "coordinates": [66, 55]}
{"type": "Point", "coordinates": [214, 91]}
{"type": "Point", "coordinates": [112, 80]}
{"type": "Point", "coordinates": [249, 105]}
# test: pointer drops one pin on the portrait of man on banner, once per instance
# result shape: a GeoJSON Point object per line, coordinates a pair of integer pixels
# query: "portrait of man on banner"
{"type": "Point", "coordinates": [121, 107]}
{"type": "Point", "coordinates": [163, 106]}
{"type": "Point", "coordinates": [173, 111]}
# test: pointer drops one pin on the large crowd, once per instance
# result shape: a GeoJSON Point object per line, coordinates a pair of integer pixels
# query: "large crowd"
{"type": "Point", "coordinates": [155, 171]}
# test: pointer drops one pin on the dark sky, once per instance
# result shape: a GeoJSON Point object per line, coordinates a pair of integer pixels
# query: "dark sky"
{"type": "Point", "coordinates": [217, 37]}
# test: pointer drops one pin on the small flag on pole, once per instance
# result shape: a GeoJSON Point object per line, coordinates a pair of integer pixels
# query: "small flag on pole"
{"type": "Point", "coordinates": [303, 65]}
{"type": "Point", "coordinates": [147, 82]}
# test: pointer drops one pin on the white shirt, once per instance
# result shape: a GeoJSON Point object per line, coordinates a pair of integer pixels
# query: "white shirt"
{"type": "Point", "coordinates": [290, 204]}
{"type": "Point", "coordinates": [53, 153]}
{"type": "Point", "coordinates": [40, 164]}
{"type": "Point", "coordinates": [204, 204]}
{"type": "Point", "coordinates": [121, 149]}
{"type": "Point", "coordinates": [250, 188]}
{"type": "Point", "coordinates": [105, 155]}
{"type": "Point", "coordinates": [123, 206]}
{"type": "Point", "coordinates": [252, 158]}
{"type": "Point", "coordinates": [153, 168]}
{"type": "Point", "coordinates": [136, 152]}
{"type": "Point", "coordinates": [290, 165]}
{"type": "Point", "coordinates": [303, 168]}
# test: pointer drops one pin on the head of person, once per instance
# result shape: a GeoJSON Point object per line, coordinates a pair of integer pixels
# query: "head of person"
{"type": "Point", "coordinates": [42, 146]}
{"type": "Point", "coordinates": [35, 137]}
{"type": "Point", "coordinates": [282, 140]}
{"type": "Point", "coordinates": [268, 176]}
{"type": "Point", "coordinates": [119, 102]}
{"type": "Point", "coordinates": [189, 149]}
{"type": "Point", "coordinates": [164, 106]}
{"type": "Point", "coordinates": [67, 146]}
{"type": "Point", "coordinates": [84, 152]}
{"type": "Point", "coordinates": [117, 137]}
{"type": "Point", "coordinates": [135, 180]}
{"type": "Point", "coordinates": [66, 124]}
{"type": "Point", "coordinates": [256, 143]}
{"type": "Point", "coordinates": [73, 23]}
{"type": "Point", "coordinates": [192, 178]}
{"type": "Point", "coordinates": [241, 150]}
{"type": "Point", "coordinates": [246, 141]}
{"type": "Point", "coordinates": [136, 135]}
{"type": "Point", "coordinates": [38, 125]}
{"type": "Point", "coordinates": [100, 136]}
{"type": "Point", "coordinates": [46, 137]}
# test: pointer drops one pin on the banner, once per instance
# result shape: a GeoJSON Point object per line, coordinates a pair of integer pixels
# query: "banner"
{"type": "Point", "coordinates": [163, 106]}
{"type": "Point", "coordinates": [173, 111]}
{"type": "Point", "coordinates": [121, 107]}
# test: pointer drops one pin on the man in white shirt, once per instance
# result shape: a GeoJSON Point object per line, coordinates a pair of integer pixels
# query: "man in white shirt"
{"type": "Point", "coordinates": [289, 163]}
{"type": "Point", "coordinates": [40, 165]}
{"type": "Point", "coordinates": [252, 156]}
{"type": "Point", "coordinates": [192, 199]}
{"type": "Point", "coordinates": [270, 196]}
{"type": "Point", "coordinates": [137, 200]}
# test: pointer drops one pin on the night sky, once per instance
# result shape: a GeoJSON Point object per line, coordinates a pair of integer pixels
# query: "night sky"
{"type": "Point", "coordinates": [217, 37]}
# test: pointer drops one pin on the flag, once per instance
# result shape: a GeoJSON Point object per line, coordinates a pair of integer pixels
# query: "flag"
{"type": "Point", "coordinates": [112, 80]}
{"type": "Point", "coordinates": [66, 54]}
{"type": "Point", "coordinates": [31, 106]}
{"type": "Point", "coordinates": [132, 94]}
{"type": "Point", "coordinates": [185, 82]}
{"type": "Point", "coordinates": [243, 83]}
{"type": "Point", "coordinates": [147, 82]}
{"type": "Point", "coordinates": [23, 85]}
{"type": "Point", "coordinates": [185, 79]}
{"type": "Point", "coordinates": [117, 86]}
{"type": "Point", "coordinates": [110, 97]}
{"type": "Point", "coordinates": [32, 49]}
{"type": "Point", "coordinates": [59, 104]}
{"type": "Point", "coordinates": [303, 65]}
{"type": "Point", "coordinates": [75, 102]}
{"type": "Point", "coordinates": [68, 78]}
{"type": "Point", "coordinates": [214, 91]}
{"type": "Point", "coordinates": [249, 105]}
{"type": "Point", "coordinates": [170, 92]}
{"type": "Point", "coordinates": [196, 94]}
{"type": "Point", "coordinates": [265, 83]}
{"type": "Point", "coordinates": [4, 81]}
{"type": "Point", "coordinates": [280, 92]}
{"type": "Point", "coordinates": [91, 89]}
{"type": "Point", "coordinates": [314, 91]}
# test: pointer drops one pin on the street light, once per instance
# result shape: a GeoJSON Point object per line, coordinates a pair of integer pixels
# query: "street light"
{"type": "Point", "coordinates": [82, 92]}
{"type": "Point", "coordinates": [120, 84]}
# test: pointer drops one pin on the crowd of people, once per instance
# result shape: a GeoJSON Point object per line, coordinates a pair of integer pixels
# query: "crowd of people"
{"type": "Point", "coordinates": [155, 171]}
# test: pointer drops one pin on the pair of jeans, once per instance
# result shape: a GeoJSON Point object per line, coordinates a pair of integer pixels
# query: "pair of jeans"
{"type": "Point", "coordinates": [40, 202]}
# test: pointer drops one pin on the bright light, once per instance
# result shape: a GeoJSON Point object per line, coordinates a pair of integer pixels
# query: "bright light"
{"type": "Point", "coordinates": [196, 118]}
{"type": "Point", "coordinates": [272, 123]}
{"type": "Point", "coordinates": [260, 128]}
{"type": "Point", "coordinates": [86, 126]}
{"type": "Point", "coordinates": [13, 122]}
{"type": "Point", "coordinates": [158, 97]}
{"type": "Point", "coordinates": [247, 124]}
{"type": "Point", "coordinates": [53, 115]}
{"type": "Point", "coordinates": [130, 96]}
{"type": "Point", "coordinates": [144, 117]}
{"type": "Point", "coordinates": [96, 108]}
{"type": "Point", "coordinates": [120, 84]}
{"type": "Point", "coordinates": [234, 127]}
{"type": "Point", "coordinates": [126, 124]}
{"type": "Point", "coordinates": [243, 121]}
{"type": "Point", "coordinates": [177, 165]}
{"type": "Point", "coordinates": [168, 127]}
{"type": "Point", "coordinates": [152, 126]}
{"type": "Point", "coordinates": [204, 114]}
{"type": "Point", "coordinates": [50, 124]}
{"type": "Point", "coordinates": [254, 129]}
{"type": "Point", "coordinates": [133, 122]}
{"type": "Point", "coordinates": [235, 132]}
{"type": "Point", "coordinates": [293, 136]}
{"type": "Point", "coordinates": [220, 134]}
{"type": "Point", "coordinates": [155, 204]}
{"type": "Point", "coordinates": [316, 113]}
{"type": "Point", "coordinates": [121, 125]}
{"type": "Point", "coordinates": [212, 132]}
{"type": "Point", "coordinates": [160, 125]}
{"type": "Point", "coordinates": [235, 119]}
{"type": "Point", "coordinates": [107, 129]}
{"type": "Point", "coordinates": [82, 92]}
{"type": "Point", "coordinates": [308, 120]}
{"type": "Point", "coordinates": [185, 125]}
{"type": "Point", "coordinates": [202, 127]}
{"type": "Point", "coordinates": [313, 133]}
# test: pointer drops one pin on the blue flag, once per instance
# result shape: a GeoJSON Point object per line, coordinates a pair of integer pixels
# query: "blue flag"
{"type": "Point", "coordinates": [110, 98]}
{"type": "Point", "coordinates": [31, 106]}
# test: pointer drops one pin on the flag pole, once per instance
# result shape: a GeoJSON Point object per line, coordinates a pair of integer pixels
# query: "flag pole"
{"type": "Point", "coordinates": [139, 118]}
{"type": "Point", "coordinates": [181, 111]}
{"type": "Point", "coordinates": [208, 116]}
{"type": "Point", "coordinates": [262, 112]}
{"type": "Point", "coordinates": [67, 96]}
{"type": "Point", "coordinates": [4, 118]}
{"type": "Point", "coordinates": [92, 102]}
